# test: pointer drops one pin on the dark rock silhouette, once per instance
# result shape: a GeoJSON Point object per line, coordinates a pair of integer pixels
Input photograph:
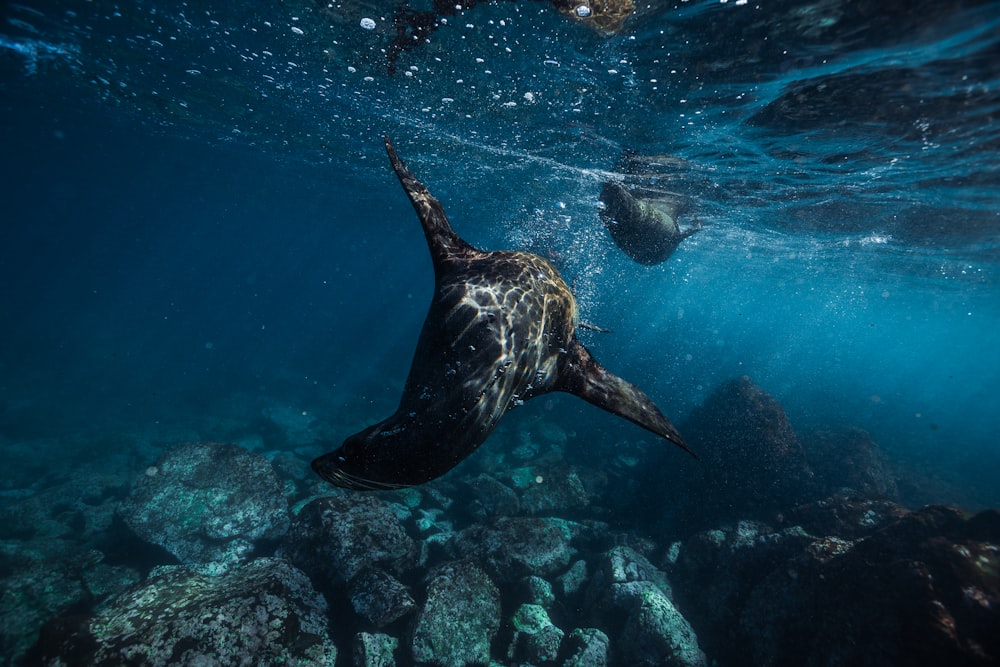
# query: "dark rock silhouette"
{"type": "Point", "coordinates": [752, 463]}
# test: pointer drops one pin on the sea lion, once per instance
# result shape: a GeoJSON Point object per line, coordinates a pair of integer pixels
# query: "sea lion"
{"type": "Point", "coordinates": [645, 228]}
{"type": "Point", "coordinates": [500, 331]}
{"type": "Point", "coordinates": [642, 220]}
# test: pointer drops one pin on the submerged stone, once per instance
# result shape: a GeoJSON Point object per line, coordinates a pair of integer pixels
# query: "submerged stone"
{"type": "Point", "coordinates": [207, 502]}
{"type": "Point", "coordinates": [336, 536]}
{"type": "Point", "coordinates": [375, 650]}
{"type": "Point", "coordinates": [656, 634]}
{"type": "Point", "coordinates": [460, 618]}
{"type": "Point", "coordinates": [586, 647]}
{"type": "Point", "coordinates": [536, 639]}
{"type": "Point", "coordinates": [379, 597]}
{"type": "Point", "coordinates": [515, 547]}
{"type": "Point", "coordinates": [266, 609]}
{"type": "Point", "coordinates": [754, 466]}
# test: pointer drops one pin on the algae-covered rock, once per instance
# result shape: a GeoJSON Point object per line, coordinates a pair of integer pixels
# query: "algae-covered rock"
{"type": "Point", "coordinates": [536, 590]}
{"type": "Point", "coordinates": [334, 537]}
{"type": "Point", "coordinates": [924, 589]}
{"type": "Point", "coordinates": [571, 582]}
{"type": "Point", "coordinates": [536, 639]}
{"type": "Point", "coordinates": [459, 619]}
{"type": "Point", "coordinates": [586, 647]}
{"type": "Point", "coordinates": [379, 597]}
{"type": "Point", "coordinates": [207, 502]}
{"type": "Point", "coordinates": [631, 600]}
{"type": "Point", "coordinates": [375, 650]}
{"type": "Point", "coordinates": [656, 634]}
{"type": "Point", "coordinates": [515, 547]}
{"type": "Point", "coordinates": [266, 612]}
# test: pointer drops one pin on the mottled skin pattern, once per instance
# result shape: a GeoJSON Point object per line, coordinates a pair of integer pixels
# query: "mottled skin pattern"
{"type": "Point", "coordinates": [500, 331]}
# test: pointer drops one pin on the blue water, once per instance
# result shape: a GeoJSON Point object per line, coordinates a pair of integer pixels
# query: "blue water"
{"type": "Point", "coordinates": [198, 218]}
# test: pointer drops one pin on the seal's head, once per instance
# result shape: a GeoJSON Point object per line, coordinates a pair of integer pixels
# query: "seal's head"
{"type": "Point", "coordinates": [385, 456]}
{"type": "Point", "coordinates": [355, 466]}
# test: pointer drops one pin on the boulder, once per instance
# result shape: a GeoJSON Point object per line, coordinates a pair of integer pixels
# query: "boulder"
{"type": "Point", "coordinates": [845, 515]}
{"type": "Point", "coordinates": [460, 618]}
{"type": "Point", "coordinates": [535, 590]}
{"type": "Point", "coordinates": [849, 459]}
{"type": "Point", "coordinates": [375, 650]}
{"type": "Point", "coordinates": [334, 537]}
{"type": "Point", "coordinates": [536, 639]}
{"type": "Point", "coordinates": [924, 589]}
{"type": "Point", "coordinates": [207, 502]}
{"type": "Point", "coordinates": [631, 600]}
{"type": "Point", "coordinates": [515, 547]}
{"type": "Point", "coordinates": [265, 612]}
{"type": "Point", "coordinates": [586, 647]}
{"type": "Point", "coordinates": [896, 588]}
{"type": "Point", "coordinates": [378, 597]}
{"type": "Point", "coordinates": [752, 463]}
{"type": "Point", "coordinates": [655, 634]}
{"type": "Point", "coordinates": [715, 571]}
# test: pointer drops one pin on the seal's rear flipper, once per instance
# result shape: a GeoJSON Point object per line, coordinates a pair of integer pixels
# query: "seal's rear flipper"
{"type": "Point", "coordinates": [441, 238]}
{"type": "Point", "coordinates": [581, 375]}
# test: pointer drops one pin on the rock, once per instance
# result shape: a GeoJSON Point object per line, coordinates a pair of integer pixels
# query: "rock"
{"type": "Point", "coordinates": [43, 578]}
{"type": "Point", "coordinates": [375, 650]}
{"type": "Point", "coordinates": [207, 502]}
{"type": "Point", "coordinates": [752, 464]}
{"type": "Point", "coordinates": [571, 582]}
{"type": "Point", "coordinates": [515, 547]}
{"type": "Point", "coordinates": [850, 459]}
{"type": "Point", "coordinates": [460, 618]}
{"type": "Point", "coordinates": [557, 490]}
{"type": "Point", "coordinates": [333, 537]}
{"type": "Point", "coordinates": [915, 588]}
{"type": "Point", "coordinates": [289, 426]}
{"type": "Point", "coordinates": [536, 639]}
{"type": "Point", "coordinates": [608, 597]}
{"type": "Point", "coordinates": [492, 498]}
{"type": "Point", "coordinates": [631, 600]}
{"type": "Point", "coordinates": [924, 589]}
{"type": "Point", "coordinates": [586, 647]}
{"type": "Point", "coordinates": [29, 598]}
{"type": "Point", "coordinates": [379, 597]}
{"type": "Point", "coordinates": [656, 634]}
{"type": "Point", "coordinates": [537, 591]}
{"type": "Point", "coordinates": [265, 611]}
{"type": "Point", "coordinates": [847, 516]}
{"type": "Point", "coordinates": [81, 507]}
{"type": "Point", "coordinates": [624, 564]}
{"type": "Point", "coordinates": [715, 571]}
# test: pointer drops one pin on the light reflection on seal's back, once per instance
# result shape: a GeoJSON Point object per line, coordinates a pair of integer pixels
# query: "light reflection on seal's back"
{"type": "Point", "coordinates": [500, 331]}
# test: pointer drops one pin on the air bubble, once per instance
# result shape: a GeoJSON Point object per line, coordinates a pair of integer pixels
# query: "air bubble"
{"type": "Point", "coordinates": [367, 23]}
{"type": "Point", "coordinates": [583, 11]}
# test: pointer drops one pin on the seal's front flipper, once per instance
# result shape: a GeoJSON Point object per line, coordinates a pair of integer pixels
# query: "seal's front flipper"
{"type": "Point", "coordinates": [592, 327]}
{"type": "Point", "coordinates": [581, 375]}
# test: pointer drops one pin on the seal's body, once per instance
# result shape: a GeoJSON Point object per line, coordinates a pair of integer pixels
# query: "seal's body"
{"type": "Point", "coordinates": [500, 331]}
